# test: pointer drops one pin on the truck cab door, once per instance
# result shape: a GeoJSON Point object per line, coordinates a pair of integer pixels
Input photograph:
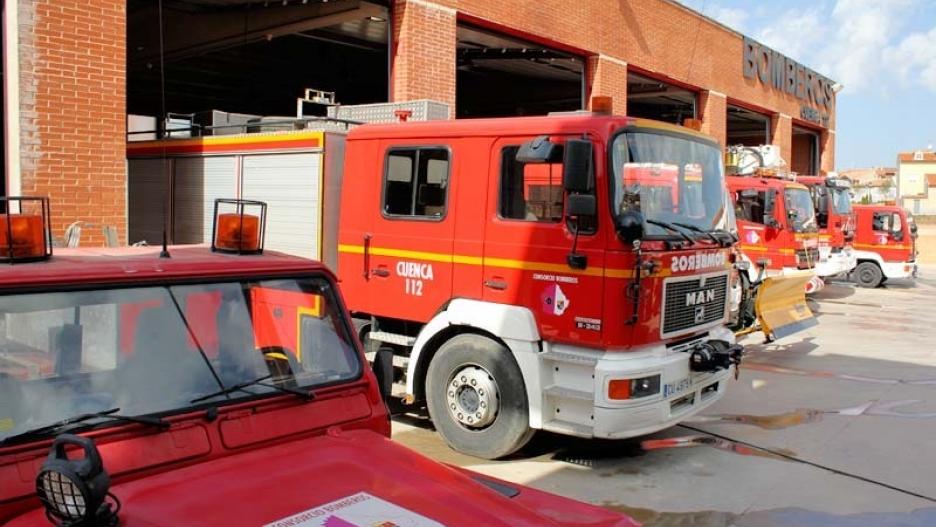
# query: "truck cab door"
{"type": "Point", "coordinates": [526, 245]}
{"type": "Point", "coordinates": [409, 255]}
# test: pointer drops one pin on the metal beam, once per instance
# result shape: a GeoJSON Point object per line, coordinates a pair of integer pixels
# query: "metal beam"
{"type": "Point", "coordinates": [191, 34]}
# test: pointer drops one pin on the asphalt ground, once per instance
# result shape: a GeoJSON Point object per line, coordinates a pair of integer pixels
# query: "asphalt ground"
{"type": "Point", "coordinates": [835, 425]}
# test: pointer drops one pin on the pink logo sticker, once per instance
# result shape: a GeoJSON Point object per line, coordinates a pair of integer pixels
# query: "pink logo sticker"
{"type": "Point", "coordinates": [554, 300]}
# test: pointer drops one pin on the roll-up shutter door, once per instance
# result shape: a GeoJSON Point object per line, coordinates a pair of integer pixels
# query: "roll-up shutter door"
{"type": "Point", "coordinates": [289, 184]}
{"type": "Point", "coordinates": [147, 188]}
{"type": "Point", "coordinates": [198, 182]}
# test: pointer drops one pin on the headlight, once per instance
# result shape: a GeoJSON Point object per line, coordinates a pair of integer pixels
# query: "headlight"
{"type": "Point", "coordinates": [623, 389]}
{"type": "Point", "coordinates": [73, 490]}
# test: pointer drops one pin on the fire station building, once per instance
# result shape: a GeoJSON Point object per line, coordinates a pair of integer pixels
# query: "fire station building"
{"type": "Point", "coordinates": [75, 73]}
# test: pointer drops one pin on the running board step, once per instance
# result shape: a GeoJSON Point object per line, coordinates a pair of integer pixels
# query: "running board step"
{"type": "Point", "coordinates": [568, 393]}
{"type": "Point", "coordinates": [392, 338]}
{"type": "Point", "coordinates": [399, 361]}
{"type": "Point", "coordinates": [569, 358]}
{"type": "Point", "coordinates": [565, 427]}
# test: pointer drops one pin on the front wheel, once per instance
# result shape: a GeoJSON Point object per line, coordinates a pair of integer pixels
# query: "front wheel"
{"type": "Point", "coordinates": [868, 274]}
{"type": "Point", "coordinates": [477, 398]}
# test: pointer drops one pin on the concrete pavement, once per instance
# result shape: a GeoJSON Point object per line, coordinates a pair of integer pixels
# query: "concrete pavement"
{"type": "Point", "coordinates": [831, 426]}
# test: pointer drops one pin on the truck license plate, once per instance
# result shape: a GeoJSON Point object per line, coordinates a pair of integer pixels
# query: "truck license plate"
{"type": "Point", "coordinates": [676, 387]}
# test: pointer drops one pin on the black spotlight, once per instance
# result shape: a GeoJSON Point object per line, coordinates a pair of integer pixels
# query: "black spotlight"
{"type": "Point", "coordinates": [73, 491]}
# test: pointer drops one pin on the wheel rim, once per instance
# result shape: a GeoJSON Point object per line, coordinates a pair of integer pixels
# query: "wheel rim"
{"type": "Point", "coordinates": [866, 276]}
{"type": "Point", "coordinates": [472, 397]}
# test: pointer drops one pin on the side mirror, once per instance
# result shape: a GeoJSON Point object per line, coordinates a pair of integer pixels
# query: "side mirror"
{"type": "Point", "coordinates": [630, 226]}
{"type": "Point", "coordinates": [539, 150]}
{"type": "Point", "coordinates": [771, 222]}
{"type": "Point", "coordinates": [577, 167]}
{"type": "Point", "coordinates": [579, 205]}
{"type": "Point", "coordinates": [913, 228]}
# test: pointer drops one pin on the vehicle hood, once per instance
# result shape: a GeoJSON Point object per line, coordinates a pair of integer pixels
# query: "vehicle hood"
{"type": "Point", "coordinates": [341, 479]}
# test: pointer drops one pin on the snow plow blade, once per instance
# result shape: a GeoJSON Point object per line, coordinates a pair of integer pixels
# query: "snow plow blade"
{"type": "Point", "coordinates": [781, 307]}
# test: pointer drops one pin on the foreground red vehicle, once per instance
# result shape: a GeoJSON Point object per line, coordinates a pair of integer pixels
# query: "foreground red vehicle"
{"type": "Point", "coordinates": [885, 243]}
{"type": "Point", "coordinates": [207, 388]}
{"type": "Point", "coordinates": [836, 221]}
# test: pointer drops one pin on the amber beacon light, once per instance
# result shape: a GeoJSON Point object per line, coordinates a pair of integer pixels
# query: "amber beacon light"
{"type": "Point", "coordinates": [25, 231]}
{"type": "Point", "coordinates": [239, 226]}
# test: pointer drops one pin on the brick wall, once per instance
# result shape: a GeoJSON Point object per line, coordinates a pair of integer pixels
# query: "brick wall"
{"type": "Point", "coordinates": [657, 36]}
{"type": "Point", "coordinates": [423, 52]}
{"type": "Point", "coordinates": [608, 77]}
{"type": "Point", "coordinates": [781, 134]}
{"type": "Point", "coordinates": [73, 110]}
{"type": "Point", "coordinates": [713, 110]}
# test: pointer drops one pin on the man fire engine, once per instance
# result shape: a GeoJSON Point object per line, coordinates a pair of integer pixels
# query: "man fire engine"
{"type": "Point", "coordinates": [566, 273]}
{"type": "Point", "coordinates": [836, 221]}
{"type": "Point", "coordinates": [220, 386]}
{"type": "Point", "coordinates": [885, 244]}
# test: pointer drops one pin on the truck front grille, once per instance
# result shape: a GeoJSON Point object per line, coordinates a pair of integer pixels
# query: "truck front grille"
{"type": "Point", "coordinates": [693, 302]}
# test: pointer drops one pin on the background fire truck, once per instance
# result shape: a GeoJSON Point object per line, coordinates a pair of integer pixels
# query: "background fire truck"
{"type": "Point", "coordinates": [836, 221]}
{"type": "Point", "coordinates": [593, 304]}
{"type": "Point", "coordinates": [885, 244]}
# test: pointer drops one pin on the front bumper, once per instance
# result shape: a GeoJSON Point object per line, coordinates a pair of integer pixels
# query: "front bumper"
{"type": "Point", "coordinates": [589, 412]}
{"type": "Point", "coordinates": [900, 269]}
{"type": "Point", "coordinates": [836, 263]}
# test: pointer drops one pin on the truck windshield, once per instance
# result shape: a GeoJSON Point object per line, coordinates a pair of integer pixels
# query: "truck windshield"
{"type": "Point", "coordinates": [669, 178]}
{"type": "Point", "coordinates": [800, 211]}
{"type": "Point", "coordinates": [841, 200]}
{"type": "Point", "coordinates": [153, 350]}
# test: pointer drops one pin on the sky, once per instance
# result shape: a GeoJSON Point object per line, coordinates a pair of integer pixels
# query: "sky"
{"type": "Point", "coordinates": [882, 51]}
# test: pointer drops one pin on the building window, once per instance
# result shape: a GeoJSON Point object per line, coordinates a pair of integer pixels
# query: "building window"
{"type": "Point", "coordinates": [529, 191]}
{"type": "Point", "coordinates": [416, 182]}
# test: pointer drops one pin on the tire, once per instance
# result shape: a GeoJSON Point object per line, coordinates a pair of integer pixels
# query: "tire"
{"type": "Point", "coordinates": [868, 274]}
{"type": "Point", "coordinates": [476, 358]}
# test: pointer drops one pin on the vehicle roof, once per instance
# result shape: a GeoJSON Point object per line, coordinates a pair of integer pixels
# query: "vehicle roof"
{"type": "Point", "coordinates": [143, 264]}
{"type": "Point", "coordinates": [762, 182]}
{"type": "Point", "coordinates": [873, 207]}
{"type": "Point", "coordinates": [502, 126]}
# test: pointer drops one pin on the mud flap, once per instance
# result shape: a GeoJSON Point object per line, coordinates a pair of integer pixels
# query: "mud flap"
{"type": "Point", "coordinates": [781, 307]}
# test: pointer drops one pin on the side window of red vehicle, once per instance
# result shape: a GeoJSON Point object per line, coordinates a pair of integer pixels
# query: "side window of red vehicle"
{"type": "Point", "coordinates": [416, 182]}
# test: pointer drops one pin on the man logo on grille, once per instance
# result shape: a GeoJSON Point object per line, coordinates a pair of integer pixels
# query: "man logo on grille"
{"type": "Point", "coordinates": [699, 314]}
{"type": "Point", "coordinates": [700, 297]}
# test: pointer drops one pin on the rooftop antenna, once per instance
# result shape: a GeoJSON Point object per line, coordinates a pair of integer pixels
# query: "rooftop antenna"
{"type": "Point", "coordinates": [162, 93]}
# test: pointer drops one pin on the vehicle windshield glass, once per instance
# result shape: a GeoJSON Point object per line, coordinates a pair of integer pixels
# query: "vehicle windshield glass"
{"type": "Point", "coordinates": [841, 200]}
{"type": "Point", "coordinates": [800, 211]}
{"type": "Point", "coordinates": [669, 178]}
{"type": "Point", "coordinates": [152, 350]}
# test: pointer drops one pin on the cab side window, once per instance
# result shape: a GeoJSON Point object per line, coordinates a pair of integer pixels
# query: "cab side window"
{"type": "Point", "coordinates": [753, 205]}
{"type": "Point", "coordinates": [416, 182]}
{"type": "Point", "coordinates": [529, 191]}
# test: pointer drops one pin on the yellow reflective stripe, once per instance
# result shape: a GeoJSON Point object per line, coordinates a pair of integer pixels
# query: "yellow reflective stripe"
{"type": "Point", "coordinates": [787, 251]}
{"type": "Point", "coordinates": [753, 248]}
{"type": "Point", "coordinates": [280, 356]}
{"type": "Point", "coordinates": [506, 263]}
{"type": "Point", "coordinates": [875, 246]}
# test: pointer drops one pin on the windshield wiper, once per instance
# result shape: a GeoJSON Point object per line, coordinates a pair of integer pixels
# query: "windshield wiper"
{"type": "Point", "coordinates": [672, 228]}
{"type": "Point", "coordinates": [242, 387]}
{"type": "Point", "coordinates": [111, 415]}
{"type": "Point", "coordinates": [693, 228]}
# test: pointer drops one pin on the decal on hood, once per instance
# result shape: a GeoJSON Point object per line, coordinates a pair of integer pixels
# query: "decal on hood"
{"type": "Point", "coordinates": [697, 261]}
{"type": "Point", "coordinates": [358, 510]}
{"type": "Point", "coordinates": [554, 300]}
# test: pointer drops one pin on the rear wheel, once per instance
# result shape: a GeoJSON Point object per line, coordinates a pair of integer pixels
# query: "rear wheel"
{"type": "Point", "coordinates": [868, 274]}
{"type": "Point", "coordinates": [477, 398]}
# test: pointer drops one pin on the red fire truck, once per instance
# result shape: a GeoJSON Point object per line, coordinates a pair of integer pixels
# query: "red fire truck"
{"type": "Point", "coordinates": [836, 220]}
{"type": "Point", "coordinates": [208, 386]}
{"type": "Point", "coordinates": [885, 244]}
{"type": "Point", "coordinates": [776, 223]}
{"type": "Point", "coordinates": [567, 273]}
{"type": "Point", "coordinates": [595, 307]}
